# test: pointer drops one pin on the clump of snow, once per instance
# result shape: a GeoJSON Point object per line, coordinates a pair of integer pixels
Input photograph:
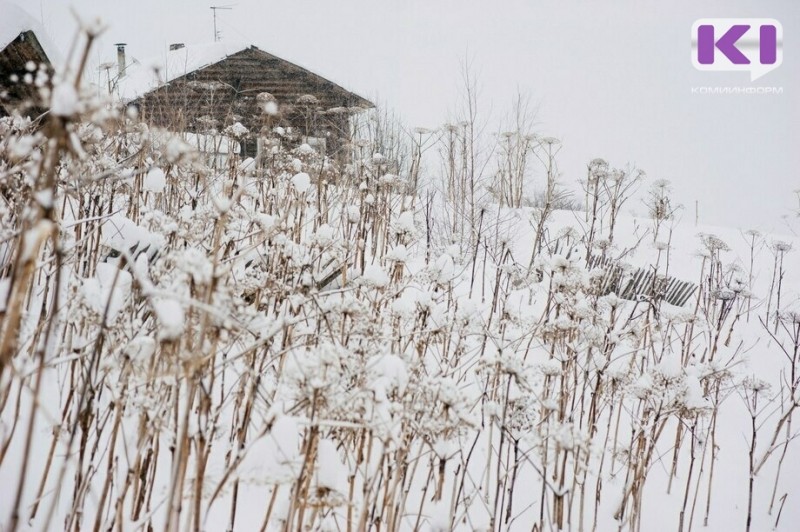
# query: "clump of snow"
{"type": "Point", "coordinates": [301, 182]}
{"type": "Point", "coordinates": [399, 253]}
{"type": "Point", "coordinates": [388, 179]}
{"type": "Point", "coordinates": [140, 348]}
{"type": "Point", "coordinates": [305, 149]}
{"type": "Point", "coordinates": [171, 319]}
{"type": "Point", "coordinates": [155, 180]}
{"type": "Point", "coordinates": [122, 234]}
{"type": "Point", "coordinates": [443, 270]}
{"type": "Point", "coordinates": [109, 289]}
{"type": "Point", "coordinates": [197, 265]}
{"type": "Point", "coordinates": [20, 147]}
{"type": "Point", "coordinates": [389, 374]}
{"type": "Point", "coordinates": [550, 367]}
{"type": "Point", "coordinates": [375, 276]}
{"type": "Point", "coordinates": [176, 148]}
{"type": "Point", "coordinates": [405, 305]}
{"type": "Point", "coordinates": [324, 235]}
{"type": "Point", "coordinates": [444, 449]}
{"type": "Point", "coordinates": [353, 213]}
{"type": "Point", "coordinates": [642, 387]}
{"type": "Point", "coordinates": [236, 130]}
{"type": "Point", "coordinates": [693, 394]}
{"type": "Point", "coordinates": [405, 223]}
{"type": "Point", "coordinates": [64, 100]}
{"type": "Point", "coordinates": [669, 368]}
{"type": "Point", "coordinates": [267, 221]}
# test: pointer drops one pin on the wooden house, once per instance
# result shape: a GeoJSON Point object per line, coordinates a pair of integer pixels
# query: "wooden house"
{"type": "Point", "coordinates": [22, 54]}
{"type": "Point", "coordinates": [244, 91]}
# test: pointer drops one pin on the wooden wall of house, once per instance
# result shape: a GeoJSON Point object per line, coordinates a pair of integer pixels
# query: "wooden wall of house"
{"type": "Point", "coordinates": [14, 58]}
{"type": "Point", "coordinates": [227, 92]}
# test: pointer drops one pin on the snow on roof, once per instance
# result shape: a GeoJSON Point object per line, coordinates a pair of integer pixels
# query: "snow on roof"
{"type": "Point", "coordinates": [143, 76]}
{"type": "Point", "coordinates": [16, 20]}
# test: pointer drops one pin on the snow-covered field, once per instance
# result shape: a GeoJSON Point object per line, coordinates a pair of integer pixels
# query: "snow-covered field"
{"type": "Point", "coordinates": [298, 344]}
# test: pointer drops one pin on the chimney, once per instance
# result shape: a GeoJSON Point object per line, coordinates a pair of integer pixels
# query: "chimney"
{"type": "Point", "coordinates": [120, 59]}
{"type": "Point", "coordinates": [176, 46]}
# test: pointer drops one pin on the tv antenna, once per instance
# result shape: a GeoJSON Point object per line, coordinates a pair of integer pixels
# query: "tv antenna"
{"type": "Point", "coordinates": [214, 9]}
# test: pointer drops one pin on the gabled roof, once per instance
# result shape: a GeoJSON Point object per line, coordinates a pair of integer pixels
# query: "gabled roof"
{"type": "Point", "coordinates": [23, 47]}
{"type": "Point", "coordinates": [142, 77]}
{"type": "Point", "coordinates": [16, 21]}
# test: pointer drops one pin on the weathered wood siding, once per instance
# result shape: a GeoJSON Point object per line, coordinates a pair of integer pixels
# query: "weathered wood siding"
{"type": "Point", "coordinates": [226, 92]}
{"type": "Point", "coordinates": [13, 59]}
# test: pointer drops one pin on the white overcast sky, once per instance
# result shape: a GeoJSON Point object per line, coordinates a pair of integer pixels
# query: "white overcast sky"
{"type": "Point", "coordinates": [611, 79]}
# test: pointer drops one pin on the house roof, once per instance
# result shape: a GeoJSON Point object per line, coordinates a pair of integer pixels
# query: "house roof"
{"type": "Point", "coordinates": [142, 77]}
{"type": "Point", "coordinates": [23, 43]}
{"type": "Point", "coordinates": [16, 21]}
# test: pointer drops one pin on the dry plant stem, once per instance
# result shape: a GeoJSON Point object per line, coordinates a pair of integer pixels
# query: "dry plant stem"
{"type": "Point", "coordinates": [753, 407]}
{"type": "Point", "coordinates": [692, 457]}
{"type": "Point", "coordinates": [26, 265]}
{"type": "Point", "coordinates": [713, 431]}
{"type": "Point", "coordinates": [699, 480]}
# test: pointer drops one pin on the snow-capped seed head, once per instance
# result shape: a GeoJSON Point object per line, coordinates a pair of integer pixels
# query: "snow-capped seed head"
{"type": "Point", "coordinates": [388, 180]}
{"type": "Point", "coordinates": [375, 276]}
{"type": "Point", "coordinates": [155, 180]}
{"type": "Point", "coordinates": [64, 101]}
{"type": "Point", "coordinates": [399, 253]}
{"type": "Point", "coordinates": [170, 317]}
{"type": "Point", "coordinates": [301, 182]}
{"type": "Point", "coordinates": [324, 235]}
{"type": "Point", "coordinates": [305, 149]}
{"type": "Point", "coordinates": [176, 148]}
{"type": "Point", "coordinates": [237, 130]}
{"type": "Point", "coordinates": [353, 213]}
{"type": "Point", "coordinates": [405, 223]}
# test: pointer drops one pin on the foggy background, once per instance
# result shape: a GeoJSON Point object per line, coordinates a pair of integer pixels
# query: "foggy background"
{"type": "Point", "coordinates": [610, 79]}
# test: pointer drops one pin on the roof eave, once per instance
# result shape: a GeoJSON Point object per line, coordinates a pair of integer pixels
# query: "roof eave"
{"type": "Point", "coordinates": [360, 100]}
